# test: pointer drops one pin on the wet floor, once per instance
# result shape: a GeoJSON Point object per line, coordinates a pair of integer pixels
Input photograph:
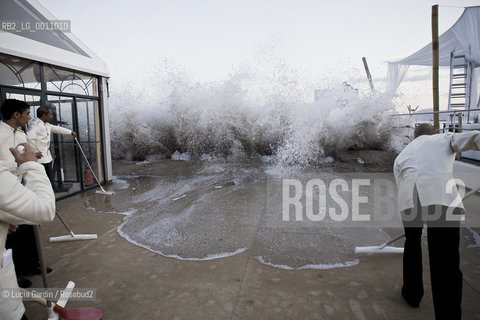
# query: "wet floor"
{"type": "Point", "coordinates": [207, 210]}
{"type": "Point", "coordinates": [194, 203]}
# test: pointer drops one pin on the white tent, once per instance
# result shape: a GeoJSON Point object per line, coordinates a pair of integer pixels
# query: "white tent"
{"type": "Point", "coordinates": [463, 37]}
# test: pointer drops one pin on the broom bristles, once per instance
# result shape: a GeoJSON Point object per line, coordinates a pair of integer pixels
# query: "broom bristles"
{"type": "Point", "coordinates": [378, 249]}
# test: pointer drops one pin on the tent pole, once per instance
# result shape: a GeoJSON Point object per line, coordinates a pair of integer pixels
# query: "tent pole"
{"type": "Point", "coordinates": [369, 76]}
{"type": "Point", "coordinates": [435, 60]}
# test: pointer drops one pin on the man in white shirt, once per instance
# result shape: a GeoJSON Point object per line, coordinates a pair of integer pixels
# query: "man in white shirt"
{"type": "Point", "coordinates": [39, 138]}
{"type": "Point", "coordinates": [427, 192]}
{"type": "Point", "coordinates": [33, 203]}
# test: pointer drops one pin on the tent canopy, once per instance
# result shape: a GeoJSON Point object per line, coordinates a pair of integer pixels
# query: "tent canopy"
{"type": "Point", "coordinates": [463, 37]}
{"type": "Point", "coordinates": [53, 47]}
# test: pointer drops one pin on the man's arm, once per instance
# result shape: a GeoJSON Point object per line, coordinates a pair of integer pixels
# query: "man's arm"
{"type": "Point", "coordinates": [465, 141]}
{"type": "Point", "coordinates": [33, 203]}
{"type": "Point", "coordinates": [62, 130]}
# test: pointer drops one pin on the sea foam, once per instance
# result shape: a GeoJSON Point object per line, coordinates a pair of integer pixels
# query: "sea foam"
{"type": "Point", "coordinates": [252, 114]}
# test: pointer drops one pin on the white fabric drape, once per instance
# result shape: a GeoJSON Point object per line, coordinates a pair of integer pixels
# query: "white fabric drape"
{"type": "Point", "coordinates": [467, 31]}
{"type": "Point", "coordinates": [463, 37]}
{"type": "Point", "coordinates": [395, 74]}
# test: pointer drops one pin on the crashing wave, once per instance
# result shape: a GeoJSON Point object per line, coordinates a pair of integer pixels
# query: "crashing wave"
{"type": "Point", "coordinates": [241, 118]}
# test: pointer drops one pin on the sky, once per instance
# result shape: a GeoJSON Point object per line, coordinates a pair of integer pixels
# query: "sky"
{"type": "Point", "coordinates": [210, 39]}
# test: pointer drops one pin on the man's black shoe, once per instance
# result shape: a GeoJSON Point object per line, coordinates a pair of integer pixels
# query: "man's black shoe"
{"type": "Point", "coordinates": [411, 302]}
{"type": "Point", "coordinates": [35, 271]}
{"type": "Point", "coordinates": [24, 283]}
{"type": "Point", "coordinates": [39, 271]}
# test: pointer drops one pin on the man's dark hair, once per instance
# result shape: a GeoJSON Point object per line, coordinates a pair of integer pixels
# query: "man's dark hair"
{"type": "Point", "coordinates": [423, 129]}
{"type": "Point", "coordinates": [10, 106]}
{"type": "Point", "coordinates": [42, 111]}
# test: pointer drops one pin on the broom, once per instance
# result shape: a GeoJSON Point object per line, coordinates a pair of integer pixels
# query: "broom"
{"type": "Point", "coordinates": [83, 313]}
{"type": "Point", "coordinates": [108, 193]}
{"type": "Point", "coordinates": [384, 248]}
{"type": "Point", "coordinates": [71, 236]}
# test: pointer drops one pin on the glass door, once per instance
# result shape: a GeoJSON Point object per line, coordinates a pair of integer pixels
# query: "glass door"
{"type": "Point", "coordinates": [62, 147]}
{"type": "Point", "coordinates": [89, 138]}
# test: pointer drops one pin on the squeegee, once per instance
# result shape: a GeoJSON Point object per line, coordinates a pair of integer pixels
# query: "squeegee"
{"type": "Point", "coordinates": [72, 236]}
{"type": "Point", "coordinates": [108, 193]}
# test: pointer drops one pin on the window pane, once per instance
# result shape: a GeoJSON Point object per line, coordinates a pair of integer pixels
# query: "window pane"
{"type": "Point", "coordinates": [89, 134]}
{"type": "Point", "coordinates": [19, 72]}
{"type": "Point", "coordinates": [62, 146]}
{"type": "Point", "coordinates": [69, 81]}
{"type": "Point", "coordinates": [62, 111]}
{"type": "Point", "coordinates": [32, 100]}
{"type": "Point", "coordinates": [67, 167]}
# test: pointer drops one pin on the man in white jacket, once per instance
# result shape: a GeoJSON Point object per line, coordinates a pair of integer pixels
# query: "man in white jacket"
{"type": "Point", "coordinates": [32, 203]}
{"type": "Point", "coordinates": [16, 114]}
{"type": "Point", "coordinates": [38, 137]}
{"type": "Point", "coordinates": [427, 192]}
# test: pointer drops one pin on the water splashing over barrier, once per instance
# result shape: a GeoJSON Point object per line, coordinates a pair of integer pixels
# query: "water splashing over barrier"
{"type": "Point", "coordinates": [250, 116]}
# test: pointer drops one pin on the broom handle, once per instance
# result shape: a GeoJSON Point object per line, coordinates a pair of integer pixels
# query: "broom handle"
{"type": "Point", "coordinates": [392, 241]}
{"type": "Point", "coordinates": [44, 302]}
{"type": "Point", "coordinates": [35, 298]}
{"type": "Point", "coordinates": [466, 196]}
{"type": "Point", "coordinates": [41, 255]}
{"type": "Point", "coordinates": [43, 268]}
{"type": "Point", "coordinates": [64, 223]}
{"type": "Point", "coordinates": [471, 193]}
{"type": "Point", "coordinates": [88, 163]}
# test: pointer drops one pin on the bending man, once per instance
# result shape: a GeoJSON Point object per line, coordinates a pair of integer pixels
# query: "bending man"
{"type": "Point", "coordinates": [427, 193]}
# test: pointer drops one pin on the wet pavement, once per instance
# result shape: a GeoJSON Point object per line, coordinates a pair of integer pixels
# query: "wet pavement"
{"type": "Point", "coordinates": [141, 282]}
